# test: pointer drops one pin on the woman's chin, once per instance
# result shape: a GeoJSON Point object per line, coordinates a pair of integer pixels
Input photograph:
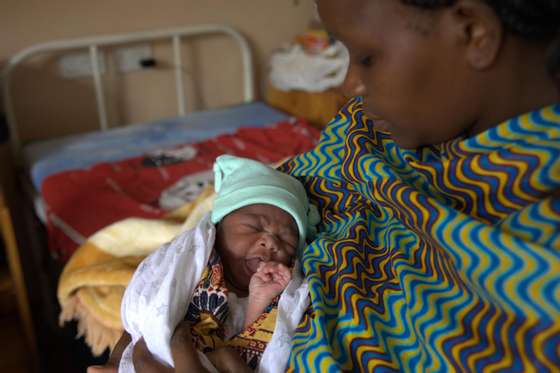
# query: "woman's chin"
{"type": "Point", "coordinates": [405, 142]}
{"type": "Point", "coordinates": [382, 125]}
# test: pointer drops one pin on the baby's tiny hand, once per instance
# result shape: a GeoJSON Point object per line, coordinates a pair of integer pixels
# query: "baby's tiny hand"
{"type": "Point", "coordinates": [270, 280]}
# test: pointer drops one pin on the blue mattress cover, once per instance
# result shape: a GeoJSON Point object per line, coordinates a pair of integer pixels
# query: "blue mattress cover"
{"type": "Point", "coordinates": [81, 151]}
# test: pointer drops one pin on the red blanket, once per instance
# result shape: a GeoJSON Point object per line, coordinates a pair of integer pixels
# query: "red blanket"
{"type": "Point", "coordinates": [80, 202]}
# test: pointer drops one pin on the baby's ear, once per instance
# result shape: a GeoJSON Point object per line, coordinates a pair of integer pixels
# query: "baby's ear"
{"type": "Point", "coordinates": [478, 29]}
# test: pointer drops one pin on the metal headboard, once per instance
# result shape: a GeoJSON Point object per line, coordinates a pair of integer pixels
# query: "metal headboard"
{"type": "Point", "coordinates": [94, 43]}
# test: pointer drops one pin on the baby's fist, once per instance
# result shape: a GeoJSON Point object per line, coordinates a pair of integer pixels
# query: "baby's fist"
{"type": "Point", "coordinates": [270, 280]}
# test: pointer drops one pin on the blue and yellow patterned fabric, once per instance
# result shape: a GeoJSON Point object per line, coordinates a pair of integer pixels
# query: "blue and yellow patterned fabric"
{"type": "Point", "coordinates": [445, 259]}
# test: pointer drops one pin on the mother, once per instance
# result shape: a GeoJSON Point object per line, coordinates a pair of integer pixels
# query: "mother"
{"type": "Point", "coordinates": [440, 248]}
{"type": "Point", "coordinates": [440, 239]}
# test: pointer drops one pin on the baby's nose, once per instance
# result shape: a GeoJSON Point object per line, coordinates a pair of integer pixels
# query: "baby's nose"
{"type": "Point", "coordinates": [267, 245]}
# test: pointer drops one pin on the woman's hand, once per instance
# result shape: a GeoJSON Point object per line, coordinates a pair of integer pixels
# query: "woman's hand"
{"type": "Point", "coordinates": [144, 361]}
{"type": "Point", "coordinates": [107, 368]}
{"type": "Point", "coordinates": [227, 360]}
{"type": "Point", "coordinates": [185, 355]}
{"type": "Point", "coordinates": [112, 364]}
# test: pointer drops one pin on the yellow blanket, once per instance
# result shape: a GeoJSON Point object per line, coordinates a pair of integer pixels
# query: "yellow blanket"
{"type": "Point", "coordinates": [92, 284]}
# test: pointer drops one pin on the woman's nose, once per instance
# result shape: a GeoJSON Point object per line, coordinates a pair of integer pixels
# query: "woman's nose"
{"type": "Point", "coordinates": [353, 84]}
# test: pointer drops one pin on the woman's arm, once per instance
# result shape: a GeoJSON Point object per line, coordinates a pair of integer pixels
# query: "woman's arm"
{"type": "Point", "coordinates": [227, 360]}
{"type": "Point", "coordinates": [144, 362]}
{"type": "Point", "coordinates": [112, 364]}
{"type": "Point", "coordinates": [184, 353]}
{"type": "Point", "coordinates": [117, 352]}
{"type": "Point", "coordinates": [185, 356]}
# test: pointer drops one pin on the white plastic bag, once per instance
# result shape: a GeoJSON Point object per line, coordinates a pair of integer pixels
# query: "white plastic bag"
{"type": "Point", "coordinates": [294, 69]}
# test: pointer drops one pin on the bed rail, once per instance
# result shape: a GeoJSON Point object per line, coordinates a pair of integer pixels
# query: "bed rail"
{"type": "Point", "coordinates": [94, 43]}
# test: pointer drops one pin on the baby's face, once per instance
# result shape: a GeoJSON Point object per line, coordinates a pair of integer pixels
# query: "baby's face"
{"type": "Point", "coordinates": [251, 235]}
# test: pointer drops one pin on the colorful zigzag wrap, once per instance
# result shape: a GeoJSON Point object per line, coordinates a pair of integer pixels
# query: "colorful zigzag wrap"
{"type": "Point", "coordinates": [442, 259]}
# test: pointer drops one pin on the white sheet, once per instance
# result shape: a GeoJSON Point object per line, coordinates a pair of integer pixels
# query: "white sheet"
{"type": "Point", "coordinates": [151, 306]}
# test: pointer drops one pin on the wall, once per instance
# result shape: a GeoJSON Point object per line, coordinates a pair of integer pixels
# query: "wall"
{"type": "Point", "coordinates": [50, 106]}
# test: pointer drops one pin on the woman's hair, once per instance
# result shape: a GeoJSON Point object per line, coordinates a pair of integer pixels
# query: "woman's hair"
{"type": "Point", "coordinates": [531, 19]}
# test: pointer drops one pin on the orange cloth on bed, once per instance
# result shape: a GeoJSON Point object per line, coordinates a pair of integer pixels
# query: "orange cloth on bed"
{"type": "Point", "coordinates": [90, 291]}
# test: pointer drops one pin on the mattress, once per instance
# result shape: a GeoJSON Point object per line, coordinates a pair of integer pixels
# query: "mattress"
{"type": "Point", "coordinates": [46, 158]}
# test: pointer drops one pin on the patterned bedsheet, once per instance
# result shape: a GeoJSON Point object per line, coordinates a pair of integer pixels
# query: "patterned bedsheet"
{"type": "Point", "coordinates": [81, 151]}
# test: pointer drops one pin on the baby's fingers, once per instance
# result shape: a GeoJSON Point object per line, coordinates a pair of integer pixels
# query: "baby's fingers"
{"type": "Point", "coordinates": [282, 278]}
{"type": "Point", "coordinates": [270, 267]}
{"type": "Point", "coordinates": [261, 277]}
{"type": "Point", "coordinates": [267, 267]}
{"type": "Point", "coordinates": [284, 271]}
{"type": "Point", "coordinates": [278, 270]}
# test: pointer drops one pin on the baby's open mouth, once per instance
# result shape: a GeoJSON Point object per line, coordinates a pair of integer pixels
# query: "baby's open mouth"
{"type": "Point", "coordinates": [253, 264]}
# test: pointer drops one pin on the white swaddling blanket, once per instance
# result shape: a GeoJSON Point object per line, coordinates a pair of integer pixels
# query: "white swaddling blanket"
{"type": "Point", "coordinates": [161, 289]}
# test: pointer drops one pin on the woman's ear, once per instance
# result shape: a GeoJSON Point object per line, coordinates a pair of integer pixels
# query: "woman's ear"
{"type": "Point", "coordinates": [478, 29]}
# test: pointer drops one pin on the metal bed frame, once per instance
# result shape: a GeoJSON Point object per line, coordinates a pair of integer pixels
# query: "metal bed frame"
{"type": "Point", "coordinates": [93, 44]}
{"type": "Point", "coordinates": [42, 267]}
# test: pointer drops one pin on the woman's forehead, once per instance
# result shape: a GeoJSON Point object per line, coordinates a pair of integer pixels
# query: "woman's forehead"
{"type": "Point", "coordinates": [349, 19]}
{"type": "Point", "coordinates": [363, 24]}
{"type": "Point", "coordinates": [341, 12]}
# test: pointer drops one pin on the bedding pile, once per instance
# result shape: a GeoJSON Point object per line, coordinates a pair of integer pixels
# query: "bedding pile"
{"type": "Point", "coordinates": [93, 281]}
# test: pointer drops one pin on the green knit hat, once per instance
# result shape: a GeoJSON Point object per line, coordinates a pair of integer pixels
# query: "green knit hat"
{"type": "Point", "coordinates": [241, 182]}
